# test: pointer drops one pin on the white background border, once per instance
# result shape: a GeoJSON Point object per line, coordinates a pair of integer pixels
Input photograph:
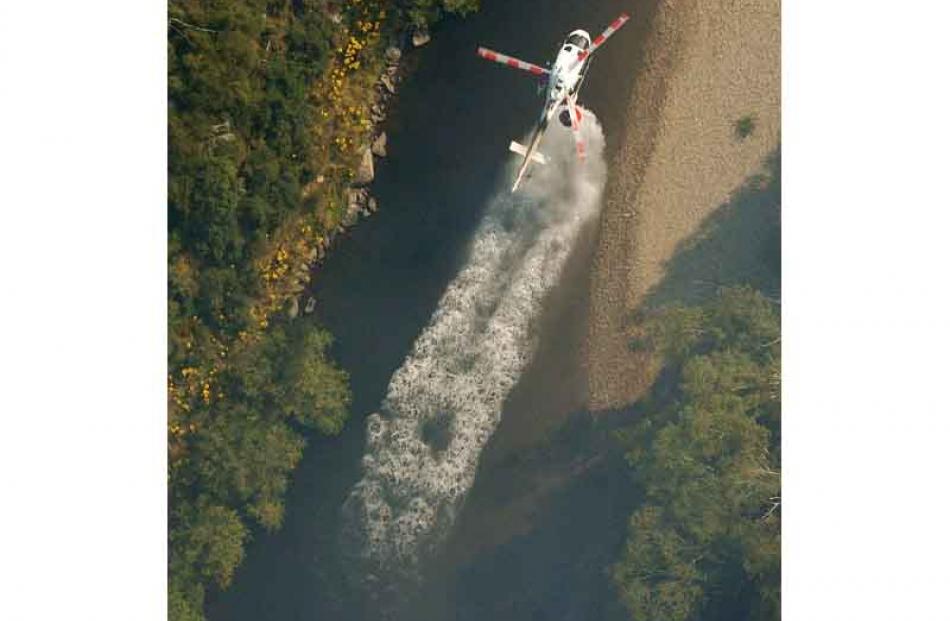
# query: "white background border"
{"type": "Point", "coordinates": [83, 311]}
{"type": "Point", "coordinates": [82, 255]}
{"type": "Point", "coordinates": [865, 310]}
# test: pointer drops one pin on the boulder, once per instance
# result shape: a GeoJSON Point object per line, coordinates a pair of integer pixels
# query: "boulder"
{"type": "Point", "coordinates": [311, 304]}
{"type": "Point", "coordinates": [372, 205]}
{"type": "Point", "coordinates": [379, 145]}
{"type": "Point", "coordinates": [388, 84]}
{"type": "Point", "coordinates": [393, 54]}
{"type": "Point", "coordinates": [365, 173]}
{"type": "Point", "coordinates": [356, 201]}
{"type": "Point", "coordinates": [355, 197]}
{"type": "Point", "coordinates": [420, 37]}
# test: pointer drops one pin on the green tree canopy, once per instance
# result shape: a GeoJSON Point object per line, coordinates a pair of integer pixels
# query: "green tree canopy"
{"type": "Point", "coordinates": [705, 544]}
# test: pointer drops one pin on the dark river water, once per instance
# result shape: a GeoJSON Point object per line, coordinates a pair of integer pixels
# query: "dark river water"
{"type": "Point", "coordinates": [546, 514]}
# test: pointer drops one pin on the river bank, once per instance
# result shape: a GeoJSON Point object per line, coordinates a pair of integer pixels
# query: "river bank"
{"type": "Point", "coordinates": [273, 125]}
{"type": "Point", "coordinates": [703, 118]}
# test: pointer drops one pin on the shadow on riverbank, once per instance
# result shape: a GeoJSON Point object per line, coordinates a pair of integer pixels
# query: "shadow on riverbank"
{"type": "Point", "coordinates": [740, 243]}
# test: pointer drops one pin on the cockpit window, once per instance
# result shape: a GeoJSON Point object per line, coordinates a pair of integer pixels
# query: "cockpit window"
{"type": "Point", "coordinates": [578, 40]}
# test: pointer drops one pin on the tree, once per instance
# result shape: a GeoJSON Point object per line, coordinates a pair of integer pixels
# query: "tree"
{"type": "Point", "coordinates": [316, 393]}
{"type": "Point", "coordinates": [706, 542]}
{"type": "Point", "coordinates": [212, 543]}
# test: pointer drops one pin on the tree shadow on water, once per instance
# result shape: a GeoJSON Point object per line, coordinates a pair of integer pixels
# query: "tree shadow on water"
{"type": "Point", "coordinates": [537, 542]}
{"type": "Point", "coordinates": [740, 243]}
{"type": "Point", "coordinates": [543, 538]}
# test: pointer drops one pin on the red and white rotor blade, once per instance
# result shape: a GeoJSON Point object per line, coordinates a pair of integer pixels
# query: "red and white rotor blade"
{"type": "Point", "coordinates": [602, 37]}
{"type": "Point", "coordinates": [504, 59]}
{"type": "Point", "coordinates": [576, 128]}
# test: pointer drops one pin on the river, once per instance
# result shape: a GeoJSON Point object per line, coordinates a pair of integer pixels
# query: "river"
{"type": "Point", "coordinates": [545, 516]}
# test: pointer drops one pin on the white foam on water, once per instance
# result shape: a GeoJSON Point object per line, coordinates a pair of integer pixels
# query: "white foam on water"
{"type": "Point", "coordinates": [445, 401]}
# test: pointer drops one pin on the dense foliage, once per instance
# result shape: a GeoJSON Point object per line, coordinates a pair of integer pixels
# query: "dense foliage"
{"type": "Point", "coordinates": [268, 109]}
{"type": "Point", "coordinates": [705, 544]}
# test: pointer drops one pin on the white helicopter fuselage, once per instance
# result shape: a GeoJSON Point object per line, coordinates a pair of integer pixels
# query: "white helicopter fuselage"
{"type": "Point", "coordinates": [563, 81]}
{"type": "Point", "coordinates": [568, 70]}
